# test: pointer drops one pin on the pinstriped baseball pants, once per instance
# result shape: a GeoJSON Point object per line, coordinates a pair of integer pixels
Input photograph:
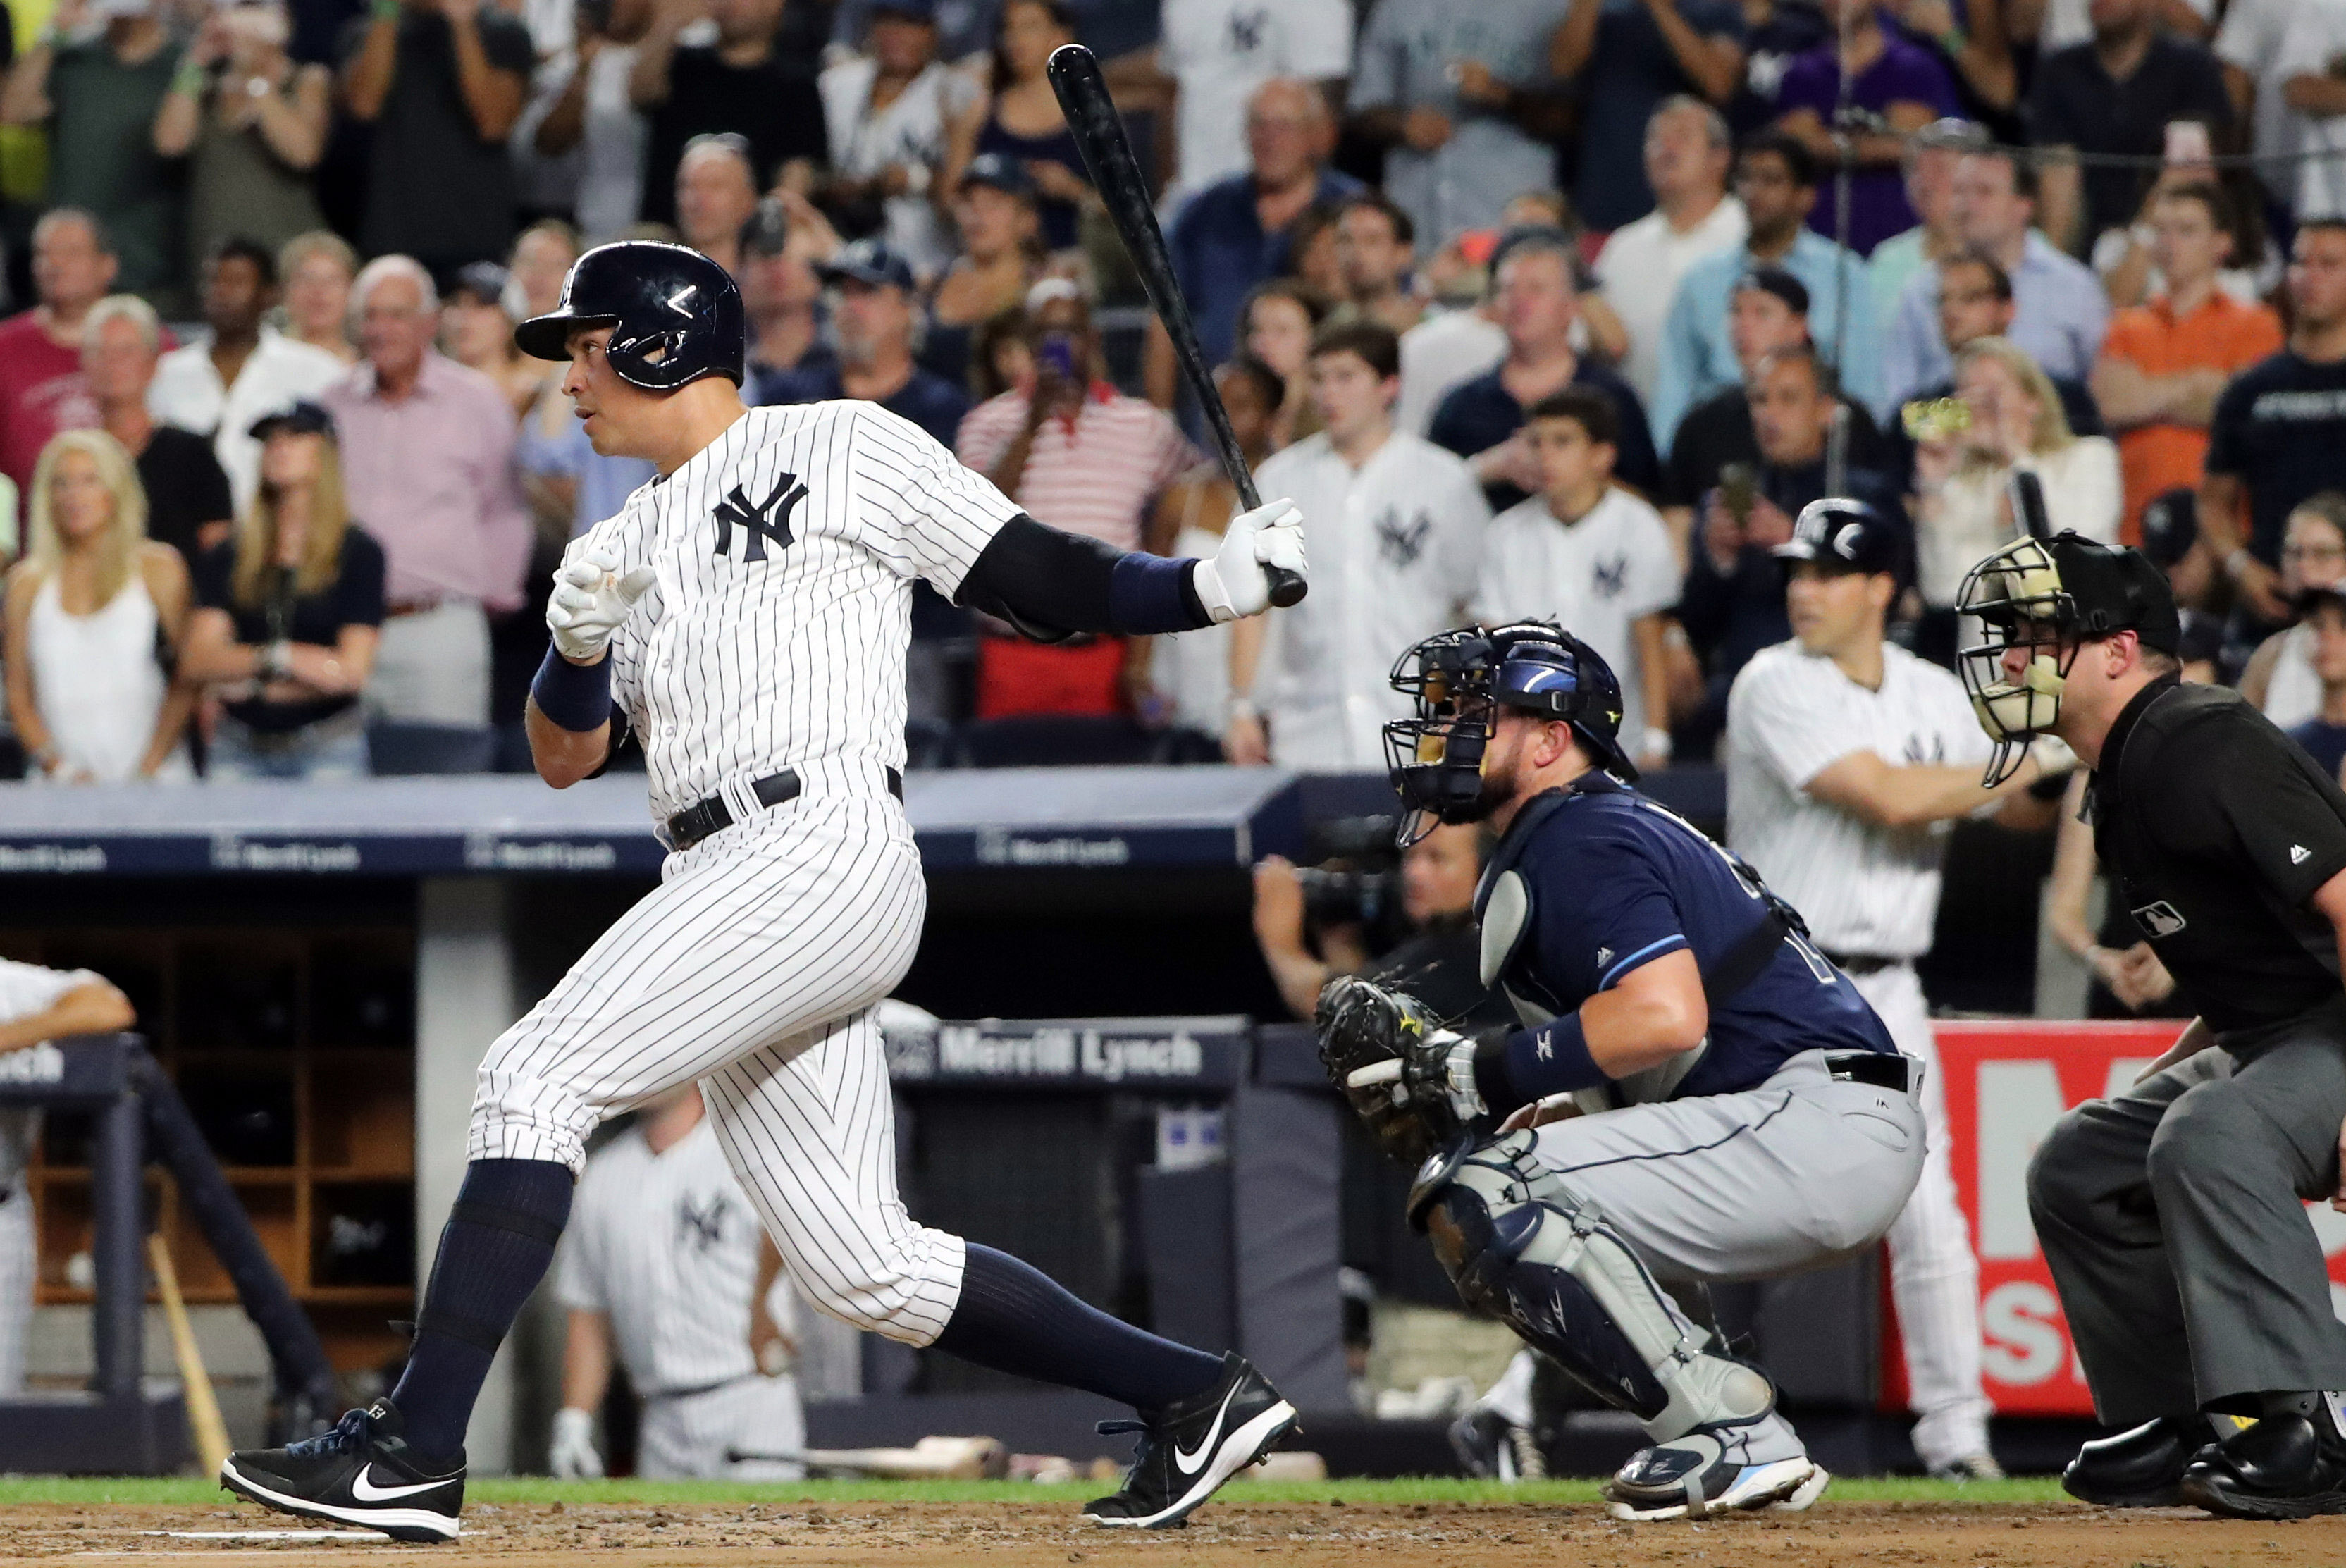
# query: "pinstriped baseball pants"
{"type": "Point", "coordinates": [753, 968]}
{"type": "Point", "coordinates": [1933, 1276]}
{"type": "Point", "coordinates": [18, 1265]}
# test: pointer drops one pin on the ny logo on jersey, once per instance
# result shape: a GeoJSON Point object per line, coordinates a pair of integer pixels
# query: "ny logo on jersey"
{"type": "Point", "coordinates": [1246, 31]}
{"type": "Point", "coordinates": [1607, 578]}
{"type": "Point", "coordinates": [769, 519]}
{"type": "Point", "coordinates": [1401, 543]}
{"type": "Point", "coordinates": [1925, 750]}
{"type": "Point", "coordinates": [702, 1229]}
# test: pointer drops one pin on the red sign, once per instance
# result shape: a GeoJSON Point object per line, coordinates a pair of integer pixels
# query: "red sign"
{"type": "Point", "coordinates": [2006, 1085]}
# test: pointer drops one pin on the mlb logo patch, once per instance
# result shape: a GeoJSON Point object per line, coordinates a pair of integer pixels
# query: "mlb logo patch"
{"type": "Point", "coordinates": [2160, 919]}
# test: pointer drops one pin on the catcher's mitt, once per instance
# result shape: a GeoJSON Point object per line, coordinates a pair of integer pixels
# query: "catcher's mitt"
{"type": "Point", "coordinates": [1409, 1080]}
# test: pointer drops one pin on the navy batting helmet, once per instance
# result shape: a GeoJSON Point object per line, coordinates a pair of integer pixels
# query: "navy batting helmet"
{"type": "Point", "coordinates": [1461, 678]}
{"type": "Point", "coordinates": [675, 315]}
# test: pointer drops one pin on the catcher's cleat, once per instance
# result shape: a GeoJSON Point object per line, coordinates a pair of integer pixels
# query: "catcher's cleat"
{"type": "Point", "coordinates": [1712, 1470]}
{"type": "Point", "coordinates": [362, 1472]}
{"type": "Point", "coordinates": [1188, 1448]}
{"type": "Point", "coordinates": [1410, 1080]}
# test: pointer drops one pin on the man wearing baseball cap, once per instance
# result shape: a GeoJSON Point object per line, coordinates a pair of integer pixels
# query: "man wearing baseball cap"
{"type": "Point", "coordinates": [1847, 758]}
{"type": "Point", "coordinates": [2172, 1214]}
{"type": "Point", "coordinates": [874, 308]}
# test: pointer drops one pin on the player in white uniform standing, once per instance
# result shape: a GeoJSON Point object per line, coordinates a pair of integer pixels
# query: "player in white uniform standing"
{"type": "Point", "coordinates": [747, 614]}
{"type": "Point", "coordinates": [665, 1262]}
{"type": "Point", "coordinates": [1399, 525]}
{"type": "Point", "coordinates": [37, 1005]}
{"type": "Point", "coordinates": [1585, 554]}
{"type": "Point", "coordinates": [1848, 759]}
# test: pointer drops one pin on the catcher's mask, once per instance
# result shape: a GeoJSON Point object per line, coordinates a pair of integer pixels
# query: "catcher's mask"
{"type": "Point", "coordinates": [1459, 680]}
{"type": "Point", "coordinates": [2045, 598]}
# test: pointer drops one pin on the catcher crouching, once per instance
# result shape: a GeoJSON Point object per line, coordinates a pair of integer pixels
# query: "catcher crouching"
{"type": "Point", "coordinates": [1695, 1092]}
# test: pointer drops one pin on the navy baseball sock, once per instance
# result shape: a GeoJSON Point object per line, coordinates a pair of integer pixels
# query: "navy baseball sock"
{"type": "Point", "coordinates": [494, 1248]}
{"type": "Point", "coordinates": [1014, 1319]}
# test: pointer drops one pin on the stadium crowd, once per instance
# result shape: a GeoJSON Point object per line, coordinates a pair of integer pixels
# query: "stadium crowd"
{"type": "Point", "coordinates": [1556, 308]}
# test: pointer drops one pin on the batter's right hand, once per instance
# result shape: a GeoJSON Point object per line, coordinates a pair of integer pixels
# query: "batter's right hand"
{"type": "Point", "coordinates": [591, 601]}
{"type": "Point", "coordinates": [1233, 583]}
{"type": "Point", "coordinates": [571, 1455]}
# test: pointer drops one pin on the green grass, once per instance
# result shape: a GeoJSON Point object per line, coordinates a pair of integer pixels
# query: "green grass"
{"type": "Point", "coordinates": [187, 1491]}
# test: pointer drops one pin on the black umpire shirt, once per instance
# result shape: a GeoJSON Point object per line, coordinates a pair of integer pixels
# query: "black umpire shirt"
{"type": "Point", "coordinates": [2215, 829]}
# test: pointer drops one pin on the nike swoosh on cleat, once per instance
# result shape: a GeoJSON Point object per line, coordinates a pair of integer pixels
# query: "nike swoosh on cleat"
{"type": "Point", "coordinates": [366, 1490]}
{"type": "Point", "coordinates": [1190, 1463]}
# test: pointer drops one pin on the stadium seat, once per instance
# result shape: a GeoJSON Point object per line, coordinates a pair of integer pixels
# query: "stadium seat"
{"type": "Point", "coordinates": [1059, 740]}
{"type": "Point", "coordinates": [398, 748]}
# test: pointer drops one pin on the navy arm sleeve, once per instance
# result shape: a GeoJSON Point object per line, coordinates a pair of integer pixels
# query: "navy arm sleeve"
{"type": "Point", "coordinates": [1052, 585]}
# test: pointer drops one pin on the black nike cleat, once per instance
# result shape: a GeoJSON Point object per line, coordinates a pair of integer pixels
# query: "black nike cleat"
{"type": "Point", "coordinates": [362, 1472]}
{"type": "Point", "coordinates": [1192, 1446]}
{"type": "Point", "coordinates": [2141, 1467]}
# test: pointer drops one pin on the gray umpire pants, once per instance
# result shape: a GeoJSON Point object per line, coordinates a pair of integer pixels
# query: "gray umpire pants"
{"type": "Point", "coordinates": [2171, 1219]}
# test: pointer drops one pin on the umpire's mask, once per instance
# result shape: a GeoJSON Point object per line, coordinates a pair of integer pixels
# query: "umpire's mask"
{"type": "Point", "coordinates": [2048, 597]}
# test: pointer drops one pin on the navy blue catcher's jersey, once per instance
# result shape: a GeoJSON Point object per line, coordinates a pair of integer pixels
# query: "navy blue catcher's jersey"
{"type": "Point", "coordinates": [1615, 881]}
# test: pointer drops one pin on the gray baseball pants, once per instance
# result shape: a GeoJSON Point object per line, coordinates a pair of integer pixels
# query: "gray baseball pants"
{"type": "Point", "coordinates": [2171, 1219]}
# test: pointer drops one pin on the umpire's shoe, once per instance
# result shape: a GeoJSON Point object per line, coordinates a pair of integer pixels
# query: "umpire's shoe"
{"type": "Point", "coordinates": [2287, 1466]}
{"type": "Point", "coordinates": [362, 1472]}
{"type": "Point", "coordinates": [2142, 1467]}
{"type": "Point", "coordinates": [1192, 1446]}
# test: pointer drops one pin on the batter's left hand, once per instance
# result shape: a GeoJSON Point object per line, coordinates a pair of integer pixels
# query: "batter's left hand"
{"type": "Point", "coordinates": [591, 601]}
{"type": "Point", "coordinates": [1234, 584]}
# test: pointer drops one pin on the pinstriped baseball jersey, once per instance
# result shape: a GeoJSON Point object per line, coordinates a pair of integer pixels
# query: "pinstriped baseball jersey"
{"type": "Point", "coordinates": [1862, 889]}
{"type": "Point", "coordinates": [667, 1245]}
{"type": "Point", "coordinates": [786, 552]}
{"type": "Point", "coordinates": [1395, 543]}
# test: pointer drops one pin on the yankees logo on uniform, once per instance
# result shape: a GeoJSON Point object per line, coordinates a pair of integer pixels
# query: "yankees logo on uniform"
{"type": "Point", "coordinates": [698, 1228]}
{"type": "Point", "coordinates": [1402, 542]}
{"type": "Point", "coordinates": [769, 519]}
{"type": "Point", "coordinates": [1607, 578]}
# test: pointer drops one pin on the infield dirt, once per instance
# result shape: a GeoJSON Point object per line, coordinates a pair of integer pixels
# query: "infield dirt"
{"type": "Point", "coordinates": [1319, 1534]}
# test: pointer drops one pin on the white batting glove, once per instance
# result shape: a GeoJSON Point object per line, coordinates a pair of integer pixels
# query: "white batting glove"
{"type": "Point", "coordinates": [591, 601]}
{"type": "Point", "coordinates": [1234, 584]}
{"type": "Point", "coordinates": [571, 1455]}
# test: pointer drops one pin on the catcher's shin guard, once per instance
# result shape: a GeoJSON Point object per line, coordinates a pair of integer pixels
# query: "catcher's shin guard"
{"type": "Point", "coordinates": [1523, 1248]}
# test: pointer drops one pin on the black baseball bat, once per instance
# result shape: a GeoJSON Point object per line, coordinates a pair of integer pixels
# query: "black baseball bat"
{"type": "Point", "coordinates": [1099, 130]}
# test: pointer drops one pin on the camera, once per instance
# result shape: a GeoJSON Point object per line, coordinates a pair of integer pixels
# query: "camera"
{"type": "Point", "coordinates": [1357, 880]}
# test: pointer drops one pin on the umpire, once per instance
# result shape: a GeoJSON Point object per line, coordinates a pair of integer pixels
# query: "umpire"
{"type": "Point", "coordinates": [2194, 1287]}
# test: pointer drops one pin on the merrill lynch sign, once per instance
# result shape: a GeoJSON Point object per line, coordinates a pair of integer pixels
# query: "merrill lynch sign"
{"type": "Point", "coordinates": [1202, 1052]}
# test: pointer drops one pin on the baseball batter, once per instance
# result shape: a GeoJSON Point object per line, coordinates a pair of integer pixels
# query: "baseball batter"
{"type": "Point", "coordinates": [746, 616]}
{"type": "Point", "coordinates": [664, 1262]}
{"type": "Point", "coordinates": [1711, 1098]}
{"type": "Point", "coordinates": [1847, 760]}
{"type": "Point", "coordinates": [37, 1005]}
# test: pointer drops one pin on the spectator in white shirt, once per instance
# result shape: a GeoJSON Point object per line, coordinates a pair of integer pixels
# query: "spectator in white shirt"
{"type": "Point", "coordinates": [1960, 509]}
{"type": "Point", "coordinates": [2311, 84]}
{"type": "Point", "coordinates": [1212, 55]}
{"type": "Point", "coordinates": [1591, 557]}
{"type": "Point", "coordinates": [1397, 538]}
{"type": "Point", "coordinates": [887, 112]}
{"type": "Point", "coordinates": [315, 270]}
{"type": "Point", "coordinates": [247, 370]}
{"type": "Point", "coordinates": [1687, 151]}
{"type": "Point", "coordinates": [582, 119]}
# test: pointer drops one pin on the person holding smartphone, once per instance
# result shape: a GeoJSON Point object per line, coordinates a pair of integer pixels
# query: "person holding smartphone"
{"type": "Point", "coordinates": [1080, 456]}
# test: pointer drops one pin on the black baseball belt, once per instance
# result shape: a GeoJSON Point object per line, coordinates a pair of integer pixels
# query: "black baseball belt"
{"type": "Point", "coordinates": [694, 823]}
{"type": "Point", "coordinates": [1863, 963]}
{"type": "Point", "coordinates": [1883, 1069]}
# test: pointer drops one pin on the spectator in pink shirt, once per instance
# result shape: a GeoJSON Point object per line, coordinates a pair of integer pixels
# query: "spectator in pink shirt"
{"type": "Point", "coordinates": [41, 387]}
{"type": "Point", "coordinates": [427, 460]}
{"type": "Point", "coordinates": [1078, 455]}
